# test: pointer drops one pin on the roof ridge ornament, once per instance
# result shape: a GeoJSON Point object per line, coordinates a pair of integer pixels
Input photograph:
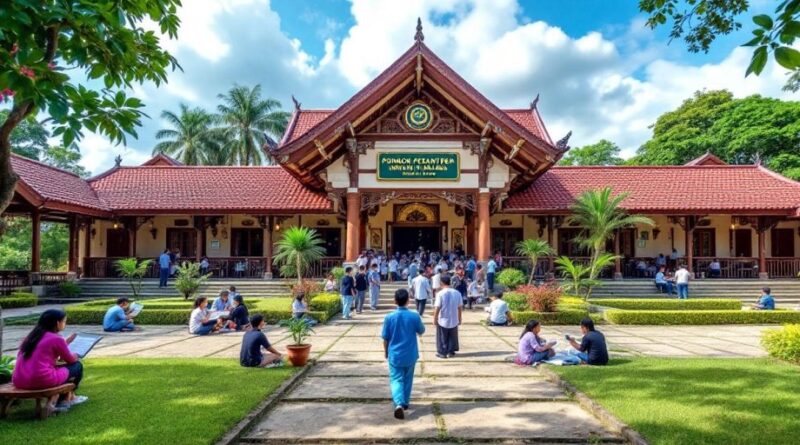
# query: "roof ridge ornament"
{"type": "Point", "coordinates": [563, 143]}
{"type": "Point", "coordinates": [535, 102]}
{"type": "Point", "coordinates": [419, 36]}
{"type": "Point", "coordinates": [296, 103]}
{"type": "Point", "coordinates": [118, 161]}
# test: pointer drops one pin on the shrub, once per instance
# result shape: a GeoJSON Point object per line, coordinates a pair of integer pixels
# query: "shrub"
{"type": "Point", "coordinates": [668, 304]}
{"type": "Point", "coordinates": [338, 273]}
{"type": "Point", "coordinates": [326, 302]}
{"type": "Point", "coordinates": [309, 287]}
{"type": "Point", "coordinates": [701, 317]}
{"type": "Point", "coordinates": [133, 271]}
{"type": "Point", "coordinates": [783, 343]}
{"type": "Point", "coordinates": [19, 299]}
{"type": "Point", "coordinates": [542, 298]}
{"type": "Point", "coordinates": [515, 301]}
{"type": "Point", "coordinates": [69, 289]}
{"type": "Point", "coordinates": [566, 316]}
{"type": "Point", "coordinates": [510, 278]}
{"type": "Point", "coordinates": [189, 279]}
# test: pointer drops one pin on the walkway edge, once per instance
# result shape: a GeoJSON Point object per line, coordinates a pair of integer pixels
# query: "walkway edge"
{"type": "Point", "coordinates": [602, 414]}
{"type": "Point", "coordinates": [234, 434]}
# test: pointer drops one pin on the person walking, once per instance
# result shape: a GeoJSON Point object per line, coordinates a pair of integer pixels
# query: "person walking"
{"type": "Point", "coordinates": [374, 279]}
{"type": "Point", "coordinates": [491, 268]}
{"type": "Point", "coordinates": [421, 289]}
{"type": "Point", "coordinates": [447, 317]}
{"type": "Point", "coordinates": [361, 288]}
{"type": "Point", "coordinates": [164, 262]}
{"type": "Point", "coordinates": [400, 330]}
{"type": "Point", "coordinates": [348, 291]}
{"type": "Point", "coordinates": [682, 281]}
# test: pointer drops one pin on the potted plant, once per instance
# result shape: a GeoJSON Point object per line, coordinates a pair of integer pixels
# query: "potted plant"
{"type": "Point", "coordinates": [297, 352]}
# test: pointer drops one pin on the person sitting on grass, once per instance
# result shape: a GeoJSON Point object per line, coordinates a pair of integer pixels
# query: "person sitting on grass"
{"type": "Point", "coordinates": [300, 309]}
{"type": "Point", "coordinates": [765, 302]}
{"type": "Point", "coordinates": [250, 355]}
{"type": "Point", "coordinates": [330, 283]}
{"type": "Point", "coordinates": [117, 319]}
{"type": "Point", "coordinates": [662, 283]}
{"type": "Point", "coordinates": [223, 302]}
{"type": "Point", "coordinates": [240, 316]}
{"type": "Point", "coordinates": [199, 321]}
{"type": "Point", "coordinates": [38, 354]}
{"type": "Point", "coordinates": [592, 348]}
{"type": "Point", "coordinates": [499, 314]}
{"type": "Point", "coordinates": [532, 348]}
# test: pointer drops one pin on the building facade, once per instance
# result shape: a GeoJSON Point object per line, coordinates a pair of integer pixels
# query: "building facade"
{"type": "Point", "coordinates": [418, 158]}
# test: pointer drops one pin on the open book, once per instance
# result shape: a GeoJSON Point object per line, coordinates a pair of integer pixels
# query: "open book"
{"type": "Point", "coordinates": [83, 343]}
{"type": "Point", "coordinates": [213, 315]}
{"type": "Point", "coordinates": [135, 309]}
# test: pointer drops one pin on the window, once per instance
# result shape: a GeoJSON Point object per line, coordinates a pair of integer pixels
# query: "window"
{"type": "Point", "coordinates": [742, 243]}
{"type": "Point", "coordinates": [247, 242]}
{"type": "Point", "coordinates": [704, 243]}
{"type": "Point", "coordinates": [184, 240]}
{"type": "Point", "coordinates": [783, 242]}
{"type": "Point", "coordinates": [332, 240]}
{"type": "Point", "coordinates": [567, 244]}
{"type": "Point", "coordinates": [505, 240]}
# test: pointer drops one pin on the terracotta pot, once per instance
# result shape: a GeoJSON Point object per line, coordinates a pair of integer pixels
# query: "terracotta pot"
{"type": "Point", "coordinates": [298, 354]}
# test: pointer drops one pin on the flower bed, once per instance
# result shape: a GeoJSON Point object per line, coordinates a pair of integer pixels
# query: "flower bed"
{"type": "Point", "coordinates": [700, 317]}
{"type": "Point", "coordinates": [568, 310]}
{"type": "Point", "coordinates": [667, 304]}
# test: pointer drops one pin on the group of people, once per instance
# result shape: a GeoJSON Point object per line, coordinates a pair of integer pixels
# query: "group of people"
{"type": "Point", "coordinates": [676, 283]}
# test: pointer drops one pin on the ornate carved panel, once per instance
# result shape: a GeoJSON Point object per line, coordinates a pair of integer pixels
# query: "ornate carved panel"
{"type": "Point", "coordinates": [416, 212]}
{"type": "Point", "coordinates": [443, 120]}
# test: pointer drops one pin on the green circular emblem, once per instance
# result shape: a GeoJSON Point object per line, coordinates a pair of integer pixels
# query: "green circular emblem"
{"type": "Point", "coordinates": [419, 116]}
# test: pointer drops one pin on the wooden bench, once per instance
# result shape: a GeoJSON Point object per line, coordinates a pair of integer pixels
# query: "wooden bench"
{"type": "Point", "coordinates": [9, 393]}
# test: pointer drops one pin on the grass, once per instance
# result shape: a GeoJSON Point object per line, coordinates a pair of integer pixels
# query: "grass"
{"type": "Point", "coordinates": [698, 401]}
{"type": "Point", "coordinates": [150, 401]}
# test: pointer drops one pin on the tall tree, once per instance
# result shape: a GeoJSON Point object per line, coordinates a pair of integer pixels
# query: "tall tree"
{"type": "Point", "coordinates": [700, 22]}
{"type": "Point", "coordinates": [191, 138]}
{"type": "Point", "coordinates": [66, 159]}
{"type": "Point", "coordinates": [604, 152]}
{"type": "Point", "coordinates": [247, 121]}
{"type": "Point", "coordinates": [739, 131]}
{"type": "Point", "coordinates": [29, 138]}
{"type": "Point", "coordinates": [103, 40]}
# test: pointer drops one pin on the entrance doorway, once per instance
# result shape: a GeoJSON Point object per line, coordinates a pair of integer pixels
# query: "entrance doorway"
{"type": "Point", "coordinates": [412, 238]}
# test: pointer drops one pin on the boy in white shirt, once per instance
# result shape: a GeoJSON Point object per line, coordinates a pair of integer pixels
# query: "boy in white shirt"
{"type": "Point", "coordinates": [498, 311]}
{"type": "Point", "coordinates": [682, 282]}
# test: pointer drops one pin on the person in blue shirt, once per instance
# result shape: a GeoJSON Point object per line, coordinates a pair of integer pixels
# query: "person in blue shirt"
{"type": "Point", "coordinates": [664, 285]}
{"type": "Point", "coordinates": [765, 302]}
{"type": "Point", "coordinates": [348, 291]}
{"type": "Point", "coordinates": [491, 268]}
{"type": "Point", "coordinates": [116, 318]}
{"type": "Point", "coordinates": [412, 272]}
{"type": "Point", "coordinates": [374, 280]}
{"type": "Point", "coordinates": [164, 262]}
{"type": "Point", "coordinates": [400, 331]}
{"type": "Point", "coordinates": [471, 265]}
{"type": "Point", "coordinates": [223, 302]}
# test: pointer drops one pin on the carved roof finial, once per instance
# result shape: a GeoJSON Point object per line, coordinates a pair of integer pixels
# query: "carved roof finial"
{"type": "Point", "coordinates": [296, 103]}
{"type": "Point", "coordinates": [535, 102]}
{"type": "Point", "coordinates": [419, 37]}
{"type": "Point", "coordinates": [563, 143]}
{"type": "Point", "coordinates": [118, 161]}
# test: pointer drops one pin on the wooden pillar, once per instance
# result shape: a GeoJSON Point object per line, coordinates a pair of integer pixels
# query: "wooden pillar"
{"type": "Point", "coordinates": [551, 259]}
{"type": "Point", "coordinates": [353, 227]}
{"type": "Point", "coordinates": [131, 227]}
{"type": "Point", "coordinates": [484, 227]}
{"type": "Point", "coordinates": [87, 240]}
{"type": "Point", "coordinates": [72, 259]}
{"type": "Point", "coordinates": [688, 230]}
{"type": "Point", "coordinates": [36, 242]}
{"type": "Point", "coordinates": [268, 253]}
{"type": "Point", "coordinates": [362, 233]}
{"type": "Point", "coordinates": [618, 260]}
{"type": "Point", "coordinates": [199, 242]}
{"type": "Point", "coordinates": [469, 223]}
{"type": "Point", "coordinates": [762, 251]}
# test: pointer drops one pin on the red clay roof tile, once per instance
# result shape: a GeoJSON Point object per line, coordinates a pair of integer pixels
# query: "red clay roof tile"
{"type": "Point", "coordinates": [54, 184]}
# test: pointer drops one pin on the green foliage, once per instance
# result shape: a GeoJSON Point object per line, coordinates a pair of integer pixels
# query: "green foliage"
{"type": "Point", "coordinates": [787, 164]}
{"type": "Point", "coordinates": [783, 343]}
{"type": "Point", "coordinates": [188, 279]}
{"type": "Point", "coordinates": [298, 328]}
{"type": "Point", "coordinates": [515, 301]}
{"type": "Point", "coordinates": [533, 249]}
{"type": "Point", "coordinates": [133, 270]}
{"type": "Point", "coordinates": [69, 289]}
{"type": "Point", "coordinates": [297, 249]}
{"type": "Point", "coordinates": [15, 245]}
{"type": "Point", "coordinates": [66, 159]}
{"type": "Point", "coordinates": [18, 299]}
{"type": "Point", "coordinates": [668, 304]}
{"type": "Point", "coordinates": [329, 303]}
{"type": "Point", "coordinates": [247, 120]}
{"type": "Point", "coordinates": [29, 138]}
{"type": "Point", "coordinates": [191, 139]}
{"type": "Point", "coordinates": [338, 273]}
{"type": "Point", "coordinates": [576, 276]}
{"type": "Point", "coordinates": [604, 152]}
{"type": "Point", "coordinates": [700, 317]}
{"type": "Point", "coordinates": [6, 367]}
{"type": "Point", "coordinates": [510, 278]}
{"type": "Point", "coordinates": [565, 317]}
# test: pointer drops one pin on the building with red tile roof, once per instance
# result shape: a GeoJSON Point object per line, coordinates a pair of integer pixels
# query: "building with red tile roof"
{"type": "Point", "coordinates": [417, 159]}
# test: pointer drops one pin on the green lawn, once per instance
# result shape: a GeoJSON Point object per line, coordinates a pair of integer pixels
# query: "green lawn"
{"type": "Point", "coordinates": [150, 401]}
{"type": "Point", "coordinates": [698, 401]}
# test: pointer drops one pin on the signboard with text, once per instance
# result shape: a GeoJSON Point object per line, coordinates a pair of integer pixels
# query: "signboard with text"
{"type": "Point", "coordinates": [396, 166]}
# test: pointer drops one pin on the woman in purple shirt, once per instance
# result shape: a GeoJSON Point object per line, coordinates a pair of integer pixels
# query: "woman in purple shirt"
{"type": "Point", "coordinates": [532, 348]}
{"type": "Point", "coordinates": [36, 366]}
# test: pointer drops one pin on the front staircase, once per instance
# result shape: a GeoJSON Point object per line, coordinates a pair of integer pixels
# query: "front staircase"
{"type": "Point", "coordinates": [113, 288]}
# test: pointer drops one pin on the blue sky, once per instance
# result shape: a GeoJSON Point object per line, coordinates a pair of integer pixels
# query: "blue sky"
{"type": "Point", "coordinates": [600, 72]}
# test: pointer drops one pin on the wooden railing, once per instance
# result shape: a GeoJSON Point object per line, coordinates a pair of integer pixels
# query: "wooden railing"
{"type": "Point", "coordinates": [745, 267]}
{"type": "Point", "coordinates": [12, 279]}
{"type": "Point", "coordinates": [47, 278]}
{"type": "Point", "coordinates": [783, 267]}
{"type": "Point", "coordinates": [323, 266]}
{"type": "Point", "coordinates": [524, 264]}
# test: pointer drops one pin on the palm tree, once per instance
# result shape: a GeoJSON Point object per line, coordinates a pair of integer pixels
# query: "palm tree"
{"type": "Point", "coordinates": [533, 249]}
{"type": "Point", "coordinates": [190, 139]}
{"type": "Point", "coordinates": [297, 249]}
{"type": "Point", "coordinates": [600, 214]}
{"type": "Point", "coordinates": [249, 122]}
{"type": "Point", "coordinates": [133, 270]}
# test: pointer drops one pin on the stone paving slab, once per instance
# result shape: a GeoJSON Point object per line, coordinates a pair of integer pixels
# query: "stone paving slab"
{"type": "Point", "coordinates": [361, 388]}
{"type": "Point", "coordinates": [470, 369]}
{"type": "Point", "coordinates": [352, 356]}
{"type": "Point", "coordinates": [565, 421]}
{"type": "Point", "coordinates": [365, 369]}
{"type": "Point", "coordinates": [338, 421]}
{"type": "Point", "coordinates": [496, 388]}
{"type": "Point", "coordinates": [471, 356]}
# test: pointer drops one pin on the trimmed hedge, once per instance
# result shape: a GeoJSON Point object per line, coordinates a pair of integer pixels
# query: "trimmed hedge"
{"type": "Point", "coordinates": [566, 316]}
{"type": "Point", "coordinates": [515, 301]}
{"type": "Point", "coordinates": [668, 304]}
{"type": "Point", "coordinates": [783, 343]}
{"type": "Point", "coordinates": [704, 317]}
{"type": "Point", "coordinates": [164, 311]}
{"type": "Point", "coordinates": [19, 299]}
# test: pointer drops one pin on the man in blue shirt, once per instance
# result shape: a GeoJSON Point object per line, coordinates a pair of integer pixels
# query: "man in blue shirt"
{"type": "Point", "coordinates": [664, 285]}
{"type": "Point", "coordinates": [471, 264]}
{"type": "Point", "coordinates": [766, 302]}
{"type": "Point", "coordinates": [348, 291]}
{"type": "Point", "coordinates": [400, 330]}
{"type": "Point", "coordinates": [116, 320]}
{"type": "Point", "coordinates": [491, 268]}
{"type": "Point", "coordinates": [164, 262]}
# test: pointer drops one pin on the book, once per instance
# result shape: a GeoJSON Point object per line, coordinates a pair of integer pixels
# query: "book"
{"type": "Point", "coordinates": [83, 343]}
{"type": "Point", "coordinates": [213, 315]}
{"type": "Point", "coordinates": [135, 309]}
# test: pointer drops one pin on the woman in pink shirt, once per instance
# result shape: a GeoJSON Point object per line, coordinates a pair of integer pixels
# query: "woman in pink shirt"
{"type": "Point", "coordinates": [36, 366]}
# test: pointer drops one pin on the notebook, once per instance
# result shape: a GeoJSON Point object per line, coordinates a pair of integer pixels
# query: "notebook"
{"type": "Point", "coordinates": [83, 343]}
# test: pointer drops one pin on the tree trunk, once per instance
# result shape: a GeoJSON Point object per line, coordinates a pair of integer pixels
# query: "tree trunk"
{"type": "Point", "coordinates": [299, 272]}
{"type": "Point", "coordinates": [8, 179]}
